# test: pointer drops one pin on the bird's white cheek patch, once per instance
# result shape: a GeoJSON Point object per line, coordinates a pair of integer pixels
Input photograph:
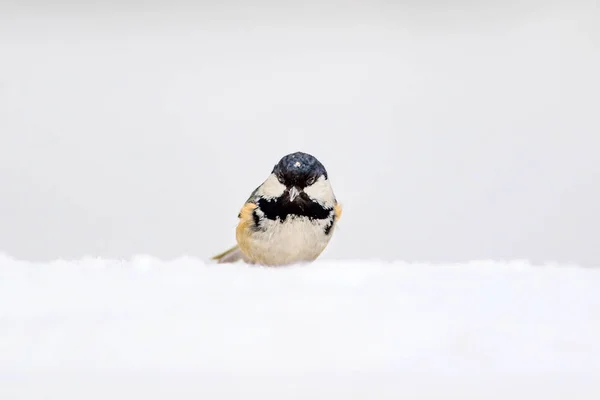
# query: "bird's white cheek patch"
{"type": "Point", "coordinates": [321, 191]}
{"type": "Point", "coordinates": [271, 188]}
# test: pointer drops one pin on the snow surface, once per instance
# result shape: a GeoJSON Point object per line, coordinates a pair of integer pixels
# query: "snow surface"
{"type": "Point", "coordinates": [99, 329]}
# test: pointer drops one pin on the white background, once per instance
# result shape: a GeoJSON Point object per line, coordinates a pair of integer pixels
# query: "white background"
{"type": "Point", "coordinates": [451, 131]}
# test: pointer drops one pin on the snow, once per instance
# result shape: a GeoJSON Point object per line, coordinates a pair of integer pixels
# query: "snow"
{"type": "Point", "coordinates": [184, 328]}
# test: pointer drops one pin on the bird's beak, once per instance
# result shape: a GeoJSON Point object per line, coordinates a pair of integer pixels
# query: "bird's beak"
{"type": "Point", "coordinates": [293, 193]}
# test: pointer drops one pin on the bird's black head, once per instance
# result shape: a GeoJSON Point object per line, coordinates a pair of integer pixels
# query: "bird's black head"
{"type": "Point", "coordinates": [299, 170]}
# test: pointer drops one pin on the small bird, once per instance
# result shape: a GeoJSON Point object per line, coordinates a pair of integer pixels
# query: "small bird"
{"type": "Point", "coordinates": [289, 218]}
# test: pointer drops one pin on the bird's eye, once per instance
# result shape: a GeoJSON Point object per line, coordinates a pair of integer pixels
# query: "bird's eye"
{"type": "Point", "coordinates": [310, 180]}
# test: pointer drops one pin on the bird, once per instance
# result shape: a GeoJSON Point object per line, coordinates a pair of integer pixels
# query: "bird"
{"type": "Point", "coordinates": [289, 218]}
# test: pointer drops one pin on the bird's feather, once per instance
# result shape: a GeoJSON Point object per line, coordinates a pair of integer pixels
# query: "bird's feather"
{"type": "Point", "coordinates": [231, 255]}
{"type": "Point", "coordinates": [235, 254]}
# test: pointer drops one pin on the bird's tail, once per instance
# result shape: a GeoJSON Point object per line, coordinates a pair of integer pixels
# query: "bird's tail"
{"type": "Point", "coordinates": [231, 255]}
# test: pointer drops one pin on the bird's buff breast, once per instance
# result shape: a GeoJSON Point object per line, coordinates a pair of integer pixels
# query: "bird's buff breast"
{"type": "Point", "coordinates": [296, 239]}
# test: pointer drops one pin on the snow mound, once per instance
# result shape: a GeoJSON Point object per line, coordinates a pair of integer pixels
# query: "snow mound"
{"type": "Point", "coordinates": [184, 328]}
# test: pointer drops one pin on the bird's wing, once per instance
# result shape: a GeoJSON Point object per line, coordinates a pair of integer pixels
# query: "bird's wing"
{"type": "Point", "coordinates": [234, 254]}
{"type": "Point", "coordinates": [338, 211]}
